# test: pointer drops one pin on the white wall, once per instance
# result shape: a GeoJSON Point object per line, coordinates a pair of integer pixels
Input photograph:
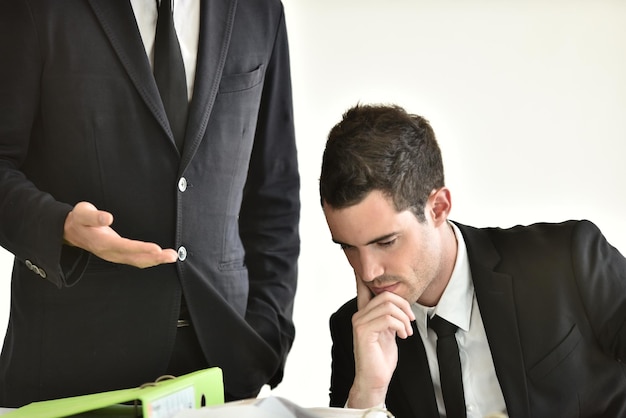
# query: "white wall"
{"type": "Point", "coordinates": [528, 100]}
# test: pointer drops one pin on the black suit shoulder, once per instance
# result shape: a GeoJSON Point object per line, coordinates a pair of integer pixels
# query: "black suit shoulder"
{"type": "Point", "coordinates": [538, 241]}
{"type": "Point", "coordinates": [346, 310]}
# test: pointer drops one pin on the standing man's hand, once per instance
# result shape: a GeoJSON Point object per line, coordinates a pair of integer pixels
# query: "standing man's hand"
{"type": "Point", "coordinates": [376, 324]}
{"type": "Point", "coordinates": [90, 229]}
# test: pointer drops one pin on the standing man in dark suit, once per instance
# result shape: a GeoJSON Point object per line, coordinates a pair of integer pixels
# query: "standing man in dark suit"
{"type": "Point", "coordinates": [97, 185]}
{"type": "Point", "coordinates": [539, 311]}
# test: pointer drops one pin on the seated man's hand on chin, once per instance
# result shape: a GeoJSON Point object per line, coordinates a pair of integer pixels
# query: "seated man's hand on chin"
{"type": "Point", "coordinates": [378, 321]}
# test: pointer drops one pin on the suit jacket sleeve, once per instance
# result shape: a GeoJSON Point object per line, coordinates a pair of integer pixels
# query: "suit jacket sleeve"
{"type": "Point", "coordinates": [342, 354]}
{"type": "Point", "coordinates": [270, 210]}
{"type": "Point", "coordinates": [32, 220]}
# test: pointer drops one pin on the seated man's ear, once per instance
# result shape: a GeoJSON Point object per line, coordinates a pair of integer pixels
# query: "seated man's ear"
{"type": "Point", "coordinates": [439, 205]}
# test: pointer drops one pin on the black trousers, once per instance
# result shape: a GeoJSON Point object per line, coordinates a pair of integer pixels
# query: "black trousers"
{"type": "Point", "coordinates": [187, 356]}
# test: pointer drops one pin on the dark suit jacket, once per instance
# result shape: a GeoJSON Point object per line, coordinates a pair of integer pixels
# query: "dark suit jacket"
{"type": "Point", "coordinates": [553, 302]}
{"type": "Point", "coordinates": [81, 119]}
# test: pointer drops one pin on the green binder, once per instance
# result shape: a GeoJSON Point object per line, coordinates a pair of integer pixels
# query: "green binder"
{"type": "Point", "coordinates": [163, 398]}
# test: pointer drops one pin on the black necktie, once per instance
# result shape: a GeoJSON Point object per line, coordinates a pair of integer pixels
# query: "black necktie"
{"type": "Point", "coordinates": [169, 72]}
{"type": "Point", "coordinates": [449, 367]}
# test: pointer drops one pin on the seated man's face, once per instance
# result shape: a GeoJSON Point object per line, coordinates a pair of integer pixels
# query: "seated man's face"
{"type": "Point", "coordinates": [389, 250]}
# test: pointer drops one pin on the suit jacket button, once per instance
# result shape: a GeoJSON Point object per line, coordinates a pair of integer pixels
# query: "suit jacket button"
{"type": "Point", "coordinates": [28, 264]}
{"type": "Point", "coordinates": [182, 253]}
{"type": "Point", "coordinates": [42, 273]}
{"type": "Point", "coordinates": [182, 184]}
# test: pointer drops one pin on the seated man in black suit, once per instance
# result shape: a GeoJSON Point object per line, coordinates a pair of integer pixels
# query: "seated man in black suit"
{"type": "Point", "coordinates": [538, 312]}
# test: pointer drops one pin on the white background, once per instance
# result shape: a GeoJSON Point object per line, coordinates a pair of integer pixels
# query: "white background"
{"type": "Point", "coordinates": [527, 98]}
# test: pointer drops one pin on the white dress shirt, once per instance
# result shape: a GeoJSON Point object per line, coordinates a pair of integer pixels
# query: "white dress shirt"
{"type": "Point", "coordinates": [483, 395]}
{"type": "Point", "coordinates": [187, 25]}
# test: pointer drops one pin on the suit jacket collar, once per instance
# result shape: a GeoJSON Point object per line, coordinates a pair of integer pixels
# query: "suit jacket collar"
{"type": "Point", "coordinates": [494, 293]}
{"type": "Point", "coordinates": [216, 22]}
{"type": "Point", "coordinates": [118, 23]}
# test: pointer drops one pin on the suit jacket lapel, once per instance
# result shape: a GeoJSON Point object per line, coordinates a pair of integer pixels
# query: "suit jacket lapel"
{"type": "Point", "coordinates": [412, 381]}
{"type": "Point", "coordinates": [216, 22]}
{"type": "Point", "coordinates": [494, 294]}
{"type": "Point", "coordinates": [118, 22]}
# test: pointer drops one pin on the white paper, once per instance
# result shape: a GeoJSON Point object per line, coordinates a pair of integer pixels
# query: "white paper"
{"type": "Point", "coordinates": [275, 407]}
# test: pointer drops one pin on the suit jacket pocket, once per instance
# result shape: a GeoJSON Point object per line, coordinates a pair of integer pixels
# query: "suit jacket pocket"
{"type": "Point", "coordinates": [238, 82]}
{"type": "Point", "coordinates": [233, 265]}
{"type": "Point", "coordinates": [556, 356]}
